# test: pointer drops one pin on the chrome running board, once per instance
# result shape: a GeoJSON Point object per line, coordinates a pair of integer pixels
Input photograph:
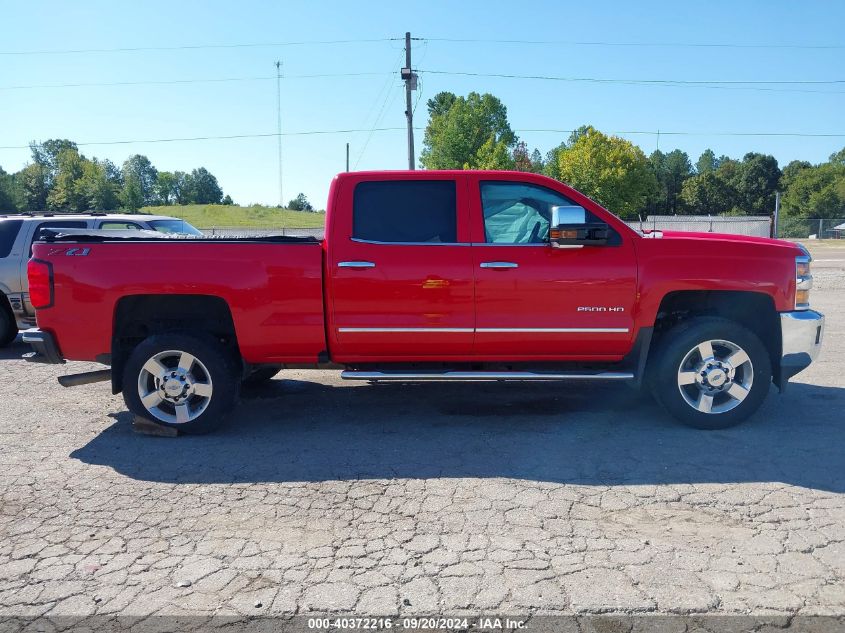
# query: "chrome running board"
{"type": "Point", "coordinates": [481, 375]}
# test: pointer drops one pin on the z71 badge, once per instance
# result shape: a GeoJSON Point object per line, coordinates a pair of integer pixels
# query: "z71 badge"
{"type": "Point", "coordinates": [71, 252]}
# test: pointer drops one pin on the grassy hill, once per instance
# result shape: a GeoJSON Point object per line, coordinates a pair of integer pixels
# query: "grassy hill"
{"type": "Point", "coordinates": [206, 216]}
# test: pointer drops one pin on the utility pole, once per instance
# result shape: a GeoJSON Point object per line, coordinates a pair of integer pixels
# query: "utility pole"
{"type": "Point", "coordinates": [347, 157]}
{"type": "Point", "coordinates": [410, 78]}
{"type": "Point", "coordinates": [775, 219]}
{"type": "Point", "coordinates": [279, 127]}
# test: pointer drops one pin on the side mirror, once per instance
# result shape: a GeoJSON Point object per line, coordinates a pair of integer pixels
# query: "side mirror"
{"type": "Point", "coordinates": [569, 227]}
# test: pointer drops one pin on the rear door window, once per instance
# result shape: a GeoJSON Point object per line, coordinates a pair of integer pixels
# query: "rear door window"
{"type": "Point", "coordinates": [57, 224]}
{"type": "Point", "coordinates": [114, 225]}
{"type": "Point", "coordinates": [405, 211]}
{"type": "Point", "coordinates": [9, 230]}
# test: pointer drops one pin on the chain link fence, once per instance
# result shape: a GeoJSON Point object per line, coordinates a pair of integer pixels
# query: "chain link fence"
{"type": "Point", "coordinates": [753, 225]}
{"type": "Point", "coordinates": [811, 228]}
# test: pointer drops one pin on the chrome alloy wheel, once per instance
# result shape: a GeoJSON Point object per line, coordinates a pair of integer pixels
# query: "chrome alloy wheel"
{"type": "Point", "coordinates": [715, 376]}
{"type": "Point", "coordinates": [174, 387]}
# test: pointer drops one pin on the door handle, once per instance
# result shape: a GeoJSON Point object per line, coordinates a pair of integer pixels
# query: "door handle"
{"type": "Point", "coordinates": [499, 265]}
{"type": "Point", "coordinates": [356, 265]}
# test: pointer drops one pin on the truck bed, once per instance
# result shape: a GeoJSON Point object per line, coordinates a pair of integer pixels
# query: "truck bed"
{"type": "Point", "coordinates": [273, 286]}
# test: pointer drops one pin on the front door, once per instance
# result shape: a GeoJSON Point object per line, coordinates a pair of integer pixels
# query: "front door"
{"type": "Point", "coordinates": [536, 302]}
{"type": "Point", "coordinates": [401, 270]}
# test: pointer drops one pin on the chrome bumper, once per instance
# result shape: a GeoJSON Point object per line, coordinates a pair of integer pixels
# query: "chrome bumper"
{"type": "Point", "coordinates": [801, 340]}
{"type": "Point", "coordinates": [44, 347]}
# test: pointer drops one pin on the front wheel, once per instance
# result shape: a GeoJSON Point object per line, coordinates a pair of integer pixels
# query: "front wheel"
{"type": "Point", "coordinates": [711, 373]}
{"type": "Point", "coordinates": [183, 381]}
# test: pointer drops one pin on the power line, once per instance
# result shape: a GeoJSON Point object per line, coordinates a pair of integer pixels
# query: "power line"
{"type": "Point", "coordinates": [403, 128]}
{"type": "Point", "coordinates": [137, 49]}
{"type": "Point", "coordinates": [645, 81]}
{"type": "Point", "coordinates": [215, 138]}
{"type": "Point", "coordinates": [168, 82]}
{"type": "Point", "coordinates": [757, 85]}
{"type": "Point", "coordinates": [634, 44]}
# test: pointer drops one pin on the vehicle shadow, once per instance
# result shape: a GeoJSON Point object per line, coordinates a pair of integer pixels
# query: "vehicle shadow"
{"type": "Point", "coordinates": [14, 351]}
{"type": "Point", "coordinates": [596, 434]}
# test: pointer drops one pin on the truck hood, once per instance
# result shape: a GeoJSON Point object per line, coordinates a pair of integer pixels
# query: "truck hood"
{"type": "Point", "coordinates": [727, 238]}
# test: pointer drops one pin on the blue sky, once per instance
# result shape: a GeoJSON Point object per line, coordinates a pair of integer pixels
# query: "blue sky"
{"type": "Point", "coordinates": [248, 168]}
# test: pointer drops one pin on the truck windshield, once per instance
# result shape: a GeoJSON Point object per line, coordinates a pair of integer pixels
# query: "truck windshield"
{"type": "Point", "coordinates": [8, 232]}
{"type": "Point", "coordinates": [174, 226]}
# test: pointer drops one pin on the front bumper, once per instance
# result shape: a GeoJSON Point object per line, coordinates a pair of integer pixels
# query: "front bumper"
{"type": "Point", "coordinates": [44, 346]}
{"type": "Point", "coordinates": [801, 340]}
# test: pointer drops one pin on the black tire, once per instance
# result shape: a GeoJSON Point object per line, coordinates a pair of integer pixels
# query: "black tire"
{"type": "Point", "coordinates": [8, 327]}
{"type": "Point", "coordinates": [261, 375]}
{"type": "Point", "coordinates": [679, 345]}
{"type": "Point", "coordinates": [213, 366]}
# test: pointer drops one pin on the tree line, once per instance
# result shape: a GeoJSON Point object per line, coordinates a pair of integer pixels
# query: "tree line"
{"type": "Point", "coordinates": [60, 178]}
{"type": "Point", "coordinates": [473, 132]}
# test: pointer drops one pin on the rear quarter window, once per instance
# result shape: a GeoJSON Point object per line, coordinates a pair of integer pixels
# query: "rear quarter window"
{"type": "Point", "coordinates": [419, 211]}
{"type": "Point", "coordinates": [9, 230]}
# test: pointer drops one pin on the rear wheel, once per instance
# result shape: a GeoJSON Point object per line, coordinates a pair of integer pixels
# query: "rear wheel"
{"type": "Point", "coordinates": [8, 327]}
{"type": "Point", "coordinates": [187, 382]}
{"type": "Point", "coordinates": [711, 373]}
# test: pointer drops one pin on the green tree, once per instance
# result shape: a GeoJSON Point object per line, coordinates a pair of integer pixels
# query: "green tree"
{"type": "Point", "coordinates": [167, 187]}
{"type": "Point", "coordinates": [816, 192]}
{"type": "Point", "coordinates": [757, 182]}
{"type": "Point", "coordinates": [139, 182]}
{"type": "Point", "coordinates": [300, 203]}
{"type": "Point", "coordinates": [707, 194]}
{"type": "Point", "coordinates": [537, 163]}
{"type": "Point", "coordinates": [521, 159]}
{"type": "Point", "coordinates": [201, 187]}
{"type": "Point", "coordinates": [609, 169]}
{"type": "Point", "coordinates": [459, 127]}
{"type": "Point", "coordinates": [32, 187]}
{"type": "Point", "coordinates": [65, 193]}
{"type": "Point", "coordinates": [492, 155]}
{"type": "Point", "coordinates": [47, 155]}
{"type": "Point", "coordinates": [8, 192]}
{"type": "Point", "coordinates": [791, 171]}
{"type": "Point", "coordinates": [671, 170]}
{"type": "Point", "coordinates": [227, 200]}
{"type": "Point", "coordinates": [707, 162]}
{"type": "Point", "coordinates": [97, 187]}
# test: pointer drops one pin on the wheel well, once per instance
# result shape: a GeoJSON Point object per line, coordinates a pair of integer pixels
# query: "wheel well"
{"type": "Point", "coordinates": [754, 310]}
{"type": "Point", "coordinates": [140, 316]}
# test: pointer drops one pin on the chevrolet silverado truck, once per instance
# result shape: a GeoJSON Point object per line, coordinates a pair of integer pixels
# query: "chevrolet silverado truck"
{"type": "Point", "coordinates": [430, 275]}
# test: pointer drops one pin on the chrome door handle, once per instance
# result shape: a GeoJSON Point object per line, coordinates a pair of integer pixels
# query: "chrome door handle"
{"type": "Point", "coordinates": [356, 265]}
{"type": "Point", "coordinates": [499, 265]}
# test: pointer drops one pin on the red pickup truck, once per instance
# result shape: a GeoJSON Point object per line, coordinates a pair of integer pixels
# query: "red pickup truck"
{"type": "Point", "coordinates": [431, 275]}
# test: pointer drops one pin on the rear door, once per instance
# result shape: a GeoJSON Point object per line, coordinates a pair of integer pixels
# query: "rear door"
{"type": "Point", "coordinates": [534, 301]}
{"type": "Point", "coordinates": [400, 267]}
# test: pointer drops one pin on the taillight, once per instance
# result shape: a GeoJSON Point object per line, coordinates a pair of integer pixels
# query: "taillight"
{"type": "Point", "coordinates": [40, 274]}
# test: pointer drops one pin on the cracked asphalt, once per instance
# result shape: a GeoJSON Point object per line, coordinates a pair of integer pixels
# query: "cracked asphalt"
{"type": "Point", "coordinates": [324, 496]}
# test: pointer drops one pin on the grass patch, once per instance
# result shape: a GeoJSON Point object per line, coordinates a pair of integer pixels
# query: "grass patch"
{"type": "Point", "coordinates": [206, 216]}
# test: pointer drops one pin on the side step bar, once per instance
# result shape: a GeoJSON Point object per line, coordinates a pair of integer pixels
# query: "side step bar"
{"type": "Point", "coordinates": [87, 378]}
{"type": "Point", "coordinates": [481, 375]}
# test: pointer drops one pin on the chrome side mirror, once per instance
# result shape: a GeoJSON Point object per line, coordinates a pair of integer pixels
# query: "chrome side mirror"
{"type": "Point", "coordinates": [569, 227]}
{"type": "Point", "coordinates": [568, 215]}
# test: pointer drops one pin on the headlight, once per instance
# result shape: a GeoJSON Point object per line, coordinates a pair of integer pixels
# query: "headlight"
{"type": "Point", "coordinates": [803, 282]}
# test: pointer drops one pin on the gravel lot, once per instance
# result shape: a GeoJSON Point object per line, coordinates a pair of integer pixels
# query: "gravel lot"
{"type": "Point", "coordinates": [331, 496]}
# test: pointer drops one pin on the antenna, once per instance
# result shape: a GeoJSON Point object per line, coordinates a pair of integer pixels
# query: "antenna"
{"type": "Point", "coordinates": [279, 127]}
